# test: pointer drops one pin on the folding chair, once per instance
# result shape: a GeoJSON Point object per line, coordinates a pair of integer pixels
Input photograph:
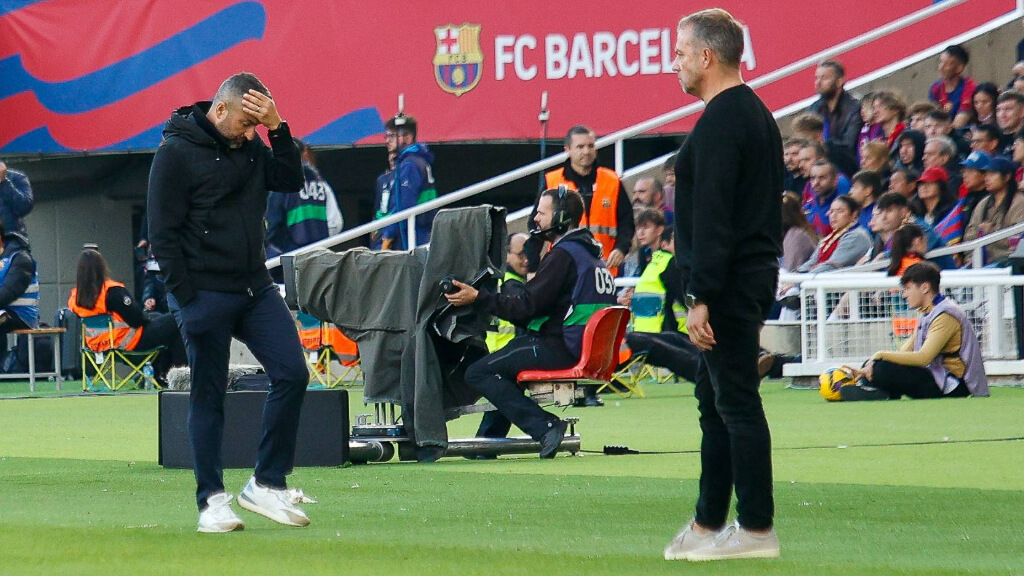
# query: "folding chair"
{"type": "Point", "coordinates": [602, 338]}
{"type": "Point", "coordinates": [104, 358]}
{"type": "Point", "coordinates": [632, 368]}
{"type": "Point", "coordinates": [323, 342]}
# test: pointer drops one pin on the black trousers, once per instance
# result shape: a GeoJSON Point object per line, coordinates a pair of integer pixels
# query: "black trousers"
{"type": "Point", "coordinates": [912, 381]}
{"type": "Point", "coordinates": [494, 377]}
{"type": "Point", "coordinates": [262, 322]}
{"type": "Point", "coordinates": [162, 330]}
{"type": "Point", "coordinates": [672, 350]}
{"type": "Point", "coordinates": [735, 449]}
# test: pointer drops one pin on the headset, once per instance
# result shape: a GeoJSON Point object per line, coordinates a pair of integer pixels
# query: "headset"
{"type": "Point", "coordinates": [560, 219]}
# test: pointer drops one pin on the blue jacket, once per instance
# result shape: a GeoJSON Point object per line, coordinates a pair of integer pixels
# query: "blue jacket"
{"type": "Point", "coordinates": [414, 184]}
{"type": "Point", "coordinates": [15, 201]}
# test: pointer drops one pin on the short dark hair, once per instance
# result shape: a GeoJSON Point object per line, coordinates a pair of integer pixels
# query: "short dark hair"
{"type": "Point", "coordinates": [836, 67]}
{"type": "Point", "coordinates": [850, 202]}
{"type": "Point", "coordinates": [891, 200]}
{"type": "Point", "coordinates": [959, 52]}
{"type": "Point", "coordinates": [573, 204]}
{"type": "Point", "coordinates": [992, 132]}
{"type": "Point", "coordinates": [670, 163]}
{"type": "Point", "coordinates": [234, 87]}
{"type": "Point", "coordinates": [651, 216]}
{"type": "Point", "coordinates": [831, 167]}
{"type": "Point", "coordinates": [402, 123]}
{"type": "Point", "coordinates": [719, 31]}
{"type": "Point", "coordinates": [869, 179]}
{"type": "Point", "coordinates": [819, 149]}
{"type": "Point", "coordinates": [668, 234]}
{"type": "Point", "coordinates": [940, 115]}
{"type": "Point", "coordinates": [577, 130]}
{"type": "Point", "coordinates": [1011, 95]}
{"type": "Point", "coordinates": [922, 273]}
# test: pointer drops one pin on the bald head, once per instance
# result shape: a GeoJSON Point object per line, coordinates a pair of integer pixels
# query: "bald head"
{"type": "Point", "coordinates": [516, 256]}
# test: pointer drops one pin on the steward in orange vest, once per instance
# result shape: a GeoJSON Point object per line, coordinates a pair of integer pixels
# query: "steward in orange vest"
{"type": "Point", "coordinates": [608, 213]}
{"type": "Point", "coordinates": [133, 329]}
{"type": "Point", "coordinates": [125, 336]}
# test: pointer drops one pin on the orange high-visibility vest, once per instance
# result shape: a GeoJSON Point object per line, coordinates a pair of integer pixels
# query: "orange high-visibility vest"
{"type": "Point", "coordinates": [315, 337]}
{"type": "Point", "coordinates": [600, 218]}
{"type": "Point", "coordinates": [124, 336]}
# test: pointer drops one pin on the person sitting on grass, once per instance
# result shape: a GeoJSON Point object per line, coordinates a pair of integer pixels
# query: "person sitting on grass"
{"type": "Point", "coordinates": [942, 359]}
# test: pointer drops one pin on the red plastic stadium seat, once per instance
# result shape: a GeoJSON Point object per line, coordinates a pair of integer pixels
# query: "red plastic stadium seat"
{"type": "Point", "coordinates": [602, 338]}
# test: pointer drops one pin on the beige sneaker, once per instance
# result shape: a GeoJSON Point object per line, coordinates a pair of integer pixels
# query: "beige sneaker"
{"type": "Point", "coordinates": [737, 542]}
{"type": "Point", "coordinates": [686, 541]}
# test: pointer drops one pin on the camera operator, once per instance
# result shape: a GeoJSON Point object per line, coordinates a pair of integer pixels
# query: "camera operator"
{"type": "Point", "coordinates": [571, 284]}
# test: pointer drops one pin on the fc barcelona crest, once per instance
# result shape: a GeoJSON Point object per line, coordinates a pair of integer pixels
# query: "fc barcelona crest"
{"type": "Point", "coordinates": [458, 62]}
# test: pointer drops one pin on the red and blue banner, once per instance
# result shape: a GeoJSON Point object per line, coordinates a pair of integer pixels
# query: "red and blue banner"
{"type": "Point", "coordinates": [99, 75]}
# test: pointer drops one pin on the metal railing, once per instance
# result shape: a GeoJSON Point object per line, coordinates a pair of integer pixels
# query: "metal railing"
{"type": "Point", "coordinates": [616, 138]}
{"type": "Point", "coordinates": [876, 317]}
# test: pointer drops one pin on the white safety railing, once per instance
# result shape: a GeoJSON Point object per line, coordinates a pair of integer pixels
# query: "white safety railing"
{"type": "Point", "coordinates": [846, 318]}
{"type": "Point", "coordinates": [618, 137]}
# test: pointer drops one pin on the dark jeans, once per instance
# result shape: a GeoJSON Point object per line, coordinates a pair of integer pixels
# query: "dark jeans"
{"type": "Point", "coordinates": [736, 445]}
{"type": "Point", "coordinates": [162, 330]}
{"type": "Point", "coordinates": [672, 350]}
{"type": "Point", "coordinates": [262, 322]}
{"type": "Point", "coordinates": [9, 322]}
{"type": "Point", "coordinates": [912, 381]}
{"type": "Point", "coordinates": [494, 377]}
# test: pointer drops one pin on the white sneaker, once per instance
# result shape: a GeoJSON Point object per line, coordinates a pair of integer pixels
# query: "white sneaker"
{"type": "Point", "coordinates": [686, 541]}
{"type": "Point", "coordinates": [218, 516]}
{"type": "Point", "coordinates": [737, 542]}
{"type": "Point", "coordinates": [274, 503]}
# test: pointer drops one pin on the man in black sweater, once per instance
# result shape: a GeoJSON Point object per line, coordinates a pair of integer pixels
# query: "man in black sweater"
{"type": "Point", "coordinates": [729, 175]}
{"type": "Point", "coordinates": [571, 284]}
{"type": "Point", "coordinates": [207, 197]}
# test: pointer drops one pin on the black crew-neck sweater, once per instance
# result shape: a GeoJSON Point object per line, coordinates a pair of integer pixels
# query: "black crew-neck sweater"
{"type": "Point", "coordinates": [729, 175]}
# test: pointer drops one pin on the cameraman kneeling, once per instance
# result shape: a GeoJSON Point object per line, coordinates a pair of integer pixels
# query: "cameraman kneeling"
{"type": "Point", "coordinates": [571, 284]}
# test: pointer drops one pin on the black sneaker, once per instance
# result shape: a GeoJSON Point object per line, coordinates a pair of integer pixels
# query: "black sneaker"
{"type": "Point", "coordinates": [552, 439]}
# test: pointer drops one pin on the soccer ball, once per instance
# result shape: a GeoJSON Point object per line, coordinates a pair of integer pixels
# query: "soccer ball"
{"type": "Point", "coordinates": [832, 380]}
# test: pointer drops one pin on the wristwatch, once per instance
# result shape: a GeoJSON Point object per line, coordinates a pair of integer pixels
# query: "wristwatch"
{"type": "Point", "coordinates": [691, 301]}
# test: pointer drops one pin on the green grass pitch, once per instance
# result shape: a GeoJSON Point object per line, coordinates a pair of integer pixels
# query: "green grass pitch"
{"type": "Point", "coordinates": [907, 487]}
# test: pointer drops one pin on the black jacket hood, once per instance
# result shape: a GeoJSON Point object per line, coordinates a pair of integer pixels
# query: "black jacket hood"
{"type": "Point", "coordinates": [185, 123]}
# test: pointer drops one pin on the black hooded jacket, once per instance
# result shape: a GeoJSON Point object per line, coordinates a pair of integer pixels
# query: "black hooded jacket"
{"type": "Point", "coordinates": [23, 268]}
{"type": "Point", "coordinates": [207, 202]}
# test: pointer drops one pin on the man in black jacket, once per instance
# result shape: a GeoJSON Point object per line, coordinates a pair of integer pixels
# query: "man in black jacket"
{"type": "Point", "coordinates": [208, 191]}
{"type": "Point", "coordinates": [19, 285]}
{"type": "Point", "coordinates": [838, 109]}
{"type": "Point", "coordinates": [571, 284]}
{"type": "Point", "coordinates": [728, 240]}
